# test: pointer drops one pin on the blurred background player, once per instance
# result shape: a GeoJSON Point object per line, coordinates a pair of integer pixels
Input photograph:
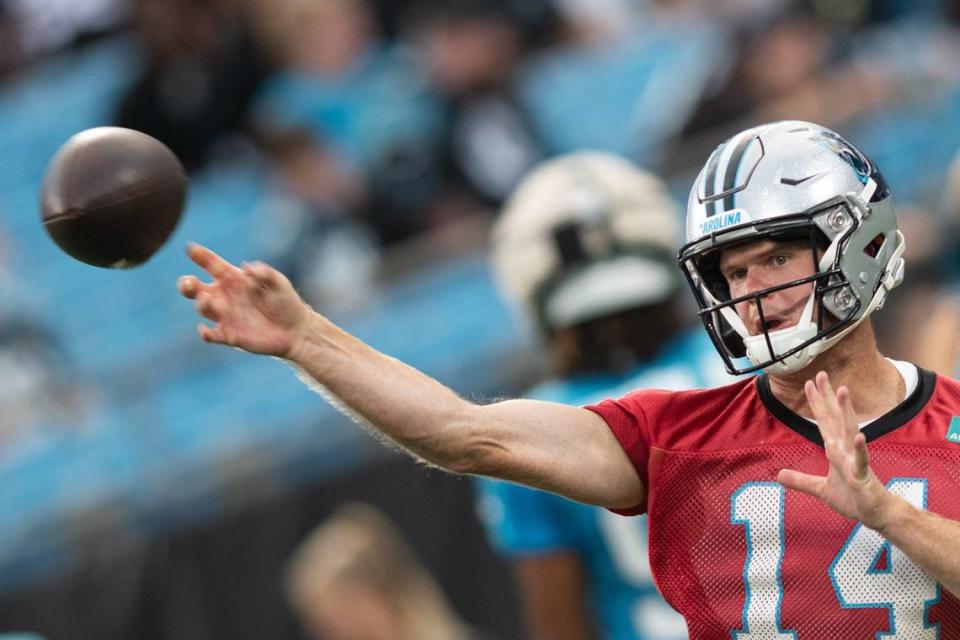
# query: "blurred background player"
{"type": "Point", "coordinates": [584, 249]}
{"type": "Point", "coordinates": [354, 578]}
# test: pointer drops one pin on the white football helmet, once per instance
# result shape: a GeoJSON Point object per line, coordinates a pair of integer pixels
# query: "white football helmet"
{"type": "Point", "coordinates": [586, 235]}
{"type": "Point", "coordinates": [792, 180]}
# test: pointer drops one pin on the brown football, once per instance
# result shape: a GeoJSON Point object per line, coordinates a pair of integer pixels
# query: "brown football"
{"type": "Point", "coordinates": [111, 196]}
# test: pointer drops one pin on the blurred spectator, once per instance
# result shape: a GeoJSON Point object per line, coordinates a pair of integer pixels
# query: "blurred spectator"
{"type": "Point", "coordinates": [354, 578]}
{"type": "Point", "coordinates": [365, 99]}
{"type": "Point", "coordinates": [773, 58]}
{"type": "Point", "coordinates": [626, 82]}
{"type": "Point", "coordinates": [807, 62]}
{"type": "Point", "coordinates": [11, 43]}
{"type": "Point", "coordinates": [47, 26]}
{"type": "Point", "coordinates": [913, 304]}
{"type": "Point", "coordinates": [200, 70]}
{"type": "Point", "coordinates": [922, 323]}
{"type": "Point", "coordinates": [39, 390]}
{"type": "Point", "coordinates": [936, 338]}
{"type": "Point", "coordinates": [472, 50]}
{"type": "Point", "coordinates": [585, 250]}
{"type": "Point", "coordinates": [312, 222]}
{"type": "Point", "coordinates": [951, 192]}
{"type": "Point", "coordinates": [600, 21]}
{"type": "Point", "coordinates": [892, 10]}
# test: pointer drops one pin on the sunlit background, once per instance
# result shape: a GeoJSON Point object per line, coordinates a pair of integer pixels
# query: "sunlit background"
{"type": "Point", "coordinates": [152, 486]}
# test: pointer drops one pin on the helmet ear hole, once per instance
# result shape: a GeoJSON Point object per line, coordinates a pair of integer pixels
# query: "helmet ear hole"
{"type": "Point", "coordinates": [874, 246]}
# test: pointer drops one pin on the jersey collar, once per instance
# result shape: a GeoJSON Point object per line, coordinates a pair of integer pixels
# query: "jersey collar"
{"type": "Point", "coordinates": [893, 419]}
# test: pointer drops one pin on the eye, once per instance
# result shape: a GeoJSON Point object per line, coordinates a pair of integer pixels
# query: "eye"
{"type": "Point", "coordinates": [736, 274]}
{"type": "Point", "coordinates": [780, 259]}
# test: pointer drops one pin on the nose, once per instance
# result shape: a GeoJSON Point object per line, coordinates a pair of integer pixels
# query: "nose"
{"type": "Point", "coordinates": [753, 281]}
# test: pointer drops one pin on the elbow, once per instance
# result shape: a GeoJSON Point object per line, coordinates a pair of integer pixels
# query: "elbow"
{"type": "Point", "coordinates": [479, 457]}
{"type": "Point", "coordinates": [480, 451]}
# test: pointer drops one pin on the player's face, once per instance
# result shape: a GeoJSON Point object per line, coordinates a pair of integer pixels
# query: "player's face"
{"type": "Point", "coordinates": [754, 266]}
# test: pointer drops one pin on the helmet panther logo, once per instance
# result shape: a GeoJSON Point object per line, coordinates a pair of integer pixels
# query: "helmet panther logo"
{"type": "Point", "coordinates": [847, 152]}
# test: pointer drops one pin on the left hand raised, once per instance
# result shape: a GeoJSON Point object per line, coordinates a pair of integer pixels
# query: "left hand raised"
{"type": "Point", "coordinates": [850, 487]}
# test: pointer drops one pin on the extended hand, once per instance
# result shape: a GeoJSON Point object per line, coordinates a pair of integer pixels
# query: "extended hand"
{"type": "Point", "coordinates": [254, 308]}
{"type": "Point", "coordinates": [850, 487]}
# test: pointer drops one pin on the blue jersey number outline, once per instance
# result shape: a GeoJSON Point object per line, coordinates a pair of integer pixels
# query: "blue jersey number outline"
{"type": "Point", "coordinates": [851, 576]}
{"type": "Point", "coordinates": [867, 562]}
{"type": "Point", "coordinates": [750, 508]}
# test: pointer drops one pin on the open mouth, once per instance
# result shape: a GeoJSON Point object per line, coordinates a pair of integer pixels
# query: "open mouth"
{"type": "Point", "coordinates": [772, 324]}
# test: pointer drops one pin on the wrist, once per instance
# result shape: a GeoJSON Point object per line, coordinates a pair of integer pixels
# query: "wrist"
{"type": "Point", "coordinates": [305, 335]}
{"type": "Point", "coordinates": [893, 515]}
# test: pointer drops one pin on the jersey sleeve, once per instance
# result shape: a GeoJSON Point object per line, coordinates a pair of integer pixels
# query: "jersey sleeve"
{"type": "Point", "coordinates": [521, 521]}
{"type": "Point", "coordinates": [628, 421]}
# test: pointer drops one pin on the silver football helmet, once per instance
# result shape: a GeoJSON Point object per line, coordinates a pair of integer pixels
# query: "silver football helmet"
{"type": "Point", "coordinates": [789, 181]}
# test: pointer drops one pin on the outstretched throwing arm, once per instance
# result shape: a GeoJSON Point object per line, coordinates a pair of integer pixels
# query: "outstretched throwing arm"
{"type": "Point", "coordinates": [563, 449]}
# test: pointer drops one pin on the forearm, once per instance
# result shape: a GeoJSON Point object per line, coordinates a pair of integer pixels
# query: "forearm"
{"type": "Point", "coordinates": [929, 540]}
{"type": "Point", "coordinates": [559, 448]}
{"type": "Point", "coordinates": [401, 403]}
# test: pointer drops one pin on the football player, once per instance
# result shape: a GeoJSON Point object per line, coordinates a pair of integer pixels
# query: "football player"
{"type": "Point", "coordinates": [812, 501]}
{"type": "Point", "coordinates": [584, 249]}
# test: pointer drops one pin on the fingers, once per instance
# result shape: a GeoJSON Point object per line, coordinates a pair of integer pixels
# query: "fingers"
{"type": "Point", "coordinates": [210, 306]}
{"type": "Point", "coordinates": [190, 287]}
{"type": "Point", "coordinates": [833, 410]}
{"type": "Point", "coordinates": [816, 393]}
{"type": "Point", "coordinates": [263, 274]}
{"type": "Point", "coordinates": [845, 445]}
{"type": "Point", "coordinates": [845, 404]}
{"type": "Point", "coordinates": [827, 392]}
{"type": "Point", "coordinates": [814, 398]}
{"type": "Point", "coordinates": [804, 482]}
{"type": "Point", "coordinates": [212, 334]}
{"type": "Point", "coordinates": [208, 260]}
{"type": "Point", "coordinates": [861, 457]}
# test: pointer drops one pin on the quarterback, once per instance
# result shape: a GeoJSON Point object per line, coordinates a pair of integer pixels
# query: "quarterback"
{"type": "Point", "coordinates": [813, 501]}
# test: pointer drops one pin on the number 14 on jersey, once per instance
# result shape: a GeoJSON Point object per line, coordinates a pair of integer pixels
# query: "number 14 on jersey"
{"type": "Point", "coordinates": [867, 572]}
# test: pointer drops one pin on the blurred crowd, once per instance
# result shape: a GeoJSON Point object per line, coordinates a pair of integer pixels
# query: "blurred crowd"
{"type": "Point", "coordinates": [384, 120]}
{"type": "Point", "coordinates": [387, 123]}
{"type": "Point", "coordinates": [389, 133]}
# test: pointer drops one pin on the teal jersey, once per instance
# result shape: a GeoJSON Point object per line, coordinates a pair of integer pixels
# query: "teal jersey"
{"type": "Point", "coordinates": [613, 549]}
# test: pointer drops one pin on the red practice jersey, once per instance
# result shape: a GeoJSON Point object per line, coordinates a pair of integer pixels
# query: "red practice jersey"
{"type": "Point", "coordinates": [742, 558]}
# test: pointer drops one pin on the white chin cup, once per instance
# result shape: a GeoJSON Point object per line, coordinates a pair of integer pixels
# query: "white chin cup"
{"type": "Point", "coordinates": [782, 341]}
